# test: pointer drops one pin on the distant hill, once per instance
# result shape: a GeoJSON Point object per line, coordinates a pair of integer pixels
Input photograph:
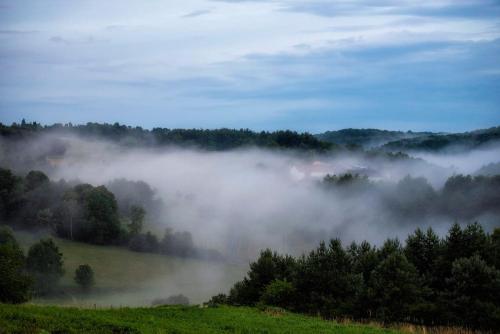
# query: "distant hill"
{"type": "Point", "coordinates": [227, 139]}
{"type": "Point", "coordinates": [453, 141]}
{"type": "Point", "coordinates": [367, 138]}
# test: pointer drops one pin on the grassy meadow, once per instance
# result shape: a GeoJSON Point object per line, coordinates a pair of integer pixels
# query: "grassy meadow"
{"type": "Point", "coordinates": [128, 278]}
{"type": "Point", "coordinates": [167, 319]}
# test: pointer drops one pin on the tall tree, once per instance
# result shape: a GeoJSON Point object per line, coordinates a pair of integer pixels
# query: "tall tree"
{"type": "Point", "coordinates": [15, 284]}
{"type": "Point", "coordinates": [45, 263]}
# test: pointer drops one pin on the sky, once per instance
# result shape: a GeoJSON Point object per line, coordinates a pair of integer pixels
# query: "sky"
{"type": "Point", "coordinates": [305, 65]}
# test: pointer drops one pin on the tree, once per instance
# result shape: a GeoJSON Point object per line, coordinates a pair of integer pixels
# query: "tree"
{"type": "Point", "coordinates": [84, 276]}
{"type": "Point", "coordinates": [326, 282]}
{"type": "Point", "coordinates": [144, 243]}
{"type": "Point", "coordinates": [35, 179]}
{"type": "Point", "coordinates": [45, 263]}
{"type": "Point", "coordinates": [495, 248]}
{"type": "Point", "coordinates": [394, 288]}
{"type": "Point", "coordinates": [137, 215]}
{"type": "Point", "coordinates": [364, 259]}
{"type": "Point", "coordinates": [423, 251]}
{"type": "Point", "coordinates": [15, 284]}
{"type": "Point", "coordinates": [10, 193]}
{"type": "Point", "coordinates": [177, 243]}
{"type": "Point", "coordinates": [474, 293]}
{"type": "Point", "coordinates": [103, 225]}
{"type": "Point", "coordinates": [89, 214]}
{"type": "Point", "coordinates": [279, 293]}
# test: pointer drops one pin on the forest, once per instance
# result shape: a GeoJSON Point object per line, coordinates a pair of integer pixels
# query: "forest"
{"type": "Point", "coordinates": [453, 280]}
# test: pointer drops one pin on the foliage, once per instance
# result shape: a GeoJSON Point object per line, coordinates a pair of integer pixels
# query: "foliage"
{"type": "Point", "coordinates": [137, 215]}
{"type": "Point", "coordinates": [453, 141]}
{"type": "Point", "coordinates": [15, 284]}
{"type": "Point", "coordinates": [147, 243]}
{"type": "Point", "coordinates": [84, 276]}
{"type": "Point", "coordinates": [429, 280]}
{"type": "Point", "coordinates": [366, 137]}
{"type": "Point", "coordinates": [217, 139]}
{"type": "Point", "coordinates": [45, 263]}
{"type": "Point", "coordinates": [279, 293]}
{"type": "Point", "coordinates": [90, 214]}
{"type": "Point", "coordinates": [461, 197]}
{"type": "Point", "coordinates": [394, 288]}
{"type": "Point", "coordinates": [10, 193]}
{"type": "Point", "coordinates": [35, 179]}
{"type": "Point", "coordinates": [474, 289]}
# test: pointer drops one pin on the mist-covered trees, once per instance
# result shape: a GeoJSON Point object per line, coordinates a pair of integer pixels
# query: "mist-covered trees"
{"type": "Point", "coordinates": [461, 197]}
{"type": "Point", "coordinates": [429, 280]}
{"type": "Point", "coordinates": [91, 214]}
{"type": "Point", "coordinates": [45, 263]}
{"type": "Point", "coordinates": [137, 214]}
{"type": "Point", "coordinates": [15, 284]}
{"type": "Point", "coordinates": [10, 194]}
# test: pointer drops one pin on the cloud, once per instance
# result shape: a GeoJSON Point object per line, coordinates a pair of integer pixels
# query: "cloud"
{"type": "Point", "coordinates": [197, 13]}
{"type": "Point", "coordinates": [252, 55]}
{"type": "Point", "coordinates": [17, 32]}
{"type": "Point", "coordinates": [59, 39]}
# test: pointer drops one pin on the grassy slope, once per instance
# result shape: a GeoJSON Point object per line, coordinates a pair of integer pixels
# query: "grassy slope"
{"type": "Point", "coordinates": [135, 279]}
{"type": "Point", "coordinates": [172, 319]}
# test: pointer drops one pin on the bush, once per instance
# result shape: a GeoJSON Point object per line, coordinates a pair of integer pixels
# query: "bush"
{"type": "Point", "coordinates": [84, 276]}
{"type": "Point", "coordinates": [278, 293]}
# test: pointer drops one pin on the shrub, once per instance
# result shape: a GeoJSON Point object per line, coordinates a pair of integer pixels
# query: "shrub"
{"type": "Point", "coordinates": [84, 276]}
{"type": "Point", "coordinates": [278, 293]}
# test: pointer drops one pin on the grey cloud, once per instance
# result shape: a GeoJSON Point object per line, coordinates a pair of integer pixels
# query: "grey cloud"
{"type": "Point", "coordinates": [18, 32]}
{"type": "Point", "coordinates": [197, 13]}
{"type": "Point", "coordinates": [59, 39]}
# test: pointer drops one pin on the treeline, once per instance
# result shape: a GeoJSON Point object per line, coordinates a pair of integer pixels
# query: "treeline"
{"type": "Point", "coordinates": [429, 280]}
{"type": "Point", "coordinates": [85, 213]}
{"type": "Point", "coordinates": [217, 139]}
{"type": "Point", "coordinates": [37, 273]}
{"type": "Point", "coordinates": [462, 197]}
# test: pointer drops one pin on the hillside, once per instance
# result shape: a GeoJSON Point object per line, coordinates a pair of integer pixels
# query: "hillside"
{"type": "Point", "coordinates": [366, 137]}
{"type": "Point", "coordinates": [171, 319]}
{"type": "Point", "coordinates": [453, 141]}
{"type": "Point", "coordinates": [124, 277]}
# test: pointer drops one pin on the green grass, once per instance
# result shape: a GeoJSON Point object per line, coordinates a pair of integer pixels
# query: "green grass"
{"type": "Point", "coordinates": [166, 319]}
{"type": "Point", "coordinates": [129, 278]}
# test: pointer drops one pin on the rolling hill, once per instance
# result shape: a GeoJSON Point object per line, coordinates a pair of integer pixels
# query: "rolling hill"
{"type": "Point", "coordinates": [129, 278]}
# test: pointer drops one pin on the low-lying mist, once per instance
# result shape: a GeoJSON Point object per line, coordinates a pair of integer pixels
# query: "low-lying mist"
{"type": "Point", "coordinates": [241, 201]}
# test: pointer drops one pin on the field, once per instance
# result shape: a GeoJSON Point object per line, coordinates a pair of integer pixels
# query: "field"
{"type": "Point", "coordinates": [166, 319]}
{"type": "Point", "coordinates": [134, 279]}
